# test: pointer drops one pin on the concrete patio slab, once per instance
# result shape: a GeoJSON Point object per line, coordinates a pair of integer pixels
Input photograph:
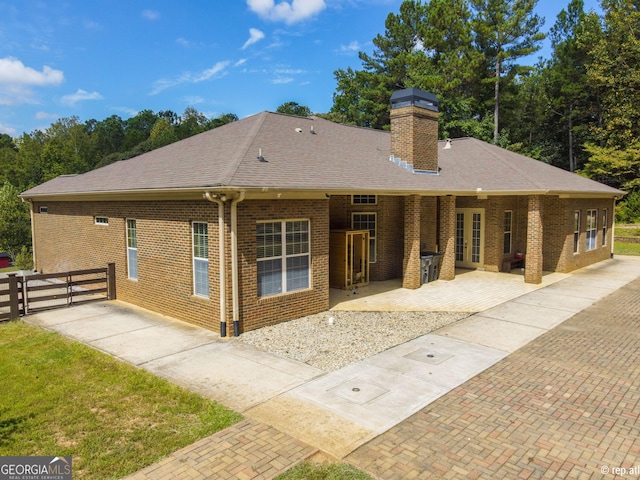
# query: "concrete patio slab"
{"type": "Point", "coordinates": [437, 359]}
{"type": "Point", "coordinates": [216, 371]}
{"type": "Point", "coordinates": [544, 298]}
{"type": "Point", "coordinates": [372, 397]}
{"type": "Point", "coordinates": [487, 331]}
{"type": "Point", "coordinates": [526, 314]}
{"type": "Point", "coordinates": [471, 291]}
{"type": "Point", "coordinates": [147, 344]}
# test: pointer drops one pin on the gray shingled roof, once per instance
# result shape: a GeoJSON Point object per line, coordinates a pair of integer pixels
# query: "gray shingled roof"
{"type": "Point", "coordinates": [333, 158]}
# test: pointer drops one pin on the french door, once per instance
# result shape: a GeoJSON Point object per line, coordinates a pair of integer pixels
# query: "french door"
{"type": "Point", "coordinates": [470, 237]}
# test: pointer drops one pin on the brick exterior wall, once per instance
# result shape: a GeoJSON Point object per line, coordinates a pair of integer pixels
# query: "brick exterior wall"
{"type": "Point", "coordinates": [557, 220]}
{"type": "Point", "coordinates": [260, 312]}
{"type": "Point", "coordinates": [411, 261]}
{"type": "Point", "coordinates": [414, 136]}
{"type": "Point", "coordinates": [558, 235]}
{"type": "Point", "coordinates": [67, 238]}
{"type": "Point", "coordinates": [389, 236]}
{"type": "Point", "coordinates": [535, 245]}
{"type": "Point", "coordinates": [448, 237]}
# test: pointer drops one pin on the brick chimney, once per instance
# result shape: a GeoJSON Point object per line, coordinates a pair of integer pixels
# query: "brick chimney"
{"type": "Point", "coordinates": [414, 128]}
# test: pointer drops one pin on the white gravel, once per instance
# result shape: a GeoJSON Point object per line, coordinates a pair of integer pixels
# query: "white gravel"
{"type": "Point", "coordinates": [349, 338]}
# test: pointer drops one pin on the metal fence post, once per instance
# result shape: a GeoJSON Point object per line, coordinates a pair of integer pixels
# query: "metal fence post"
{"type": "Point", "coordinates": [111, 281]}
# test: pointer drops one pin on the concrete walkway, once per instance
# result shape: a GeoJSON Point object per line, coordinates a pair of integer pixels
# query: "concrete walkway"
{"type": "Point", "coordinates": [306, 410]}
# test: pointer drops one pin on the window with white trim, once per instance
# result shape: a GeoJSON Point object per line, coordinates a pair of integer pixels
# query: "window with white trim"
{"type": "Point", "coordinates": [43, 209]}
{"type": "Point", "coordinates": [592, 229]}
{"type": "Point", "coordinates": [364, 199]}
{"type": "Point", "coordinates": [101, 220]}
{"type": "Point", "coordinates": [200, 241]}
{"type": "Point", "coordinates": [604, 227]}
{"type": "Point", "coordinates": [132, 249]}
{"type": "Point", "coordinates": [576, 231]}
{"type": "Point", "coordinates": [508, 224]}
{"type": "Point", "coordinates": [366, 221]}
{"type": "Point", "coordinates": [283, 256]}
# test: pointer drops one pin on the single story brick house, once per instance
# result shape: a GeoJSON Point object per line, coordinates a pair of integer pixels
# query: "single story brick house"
{"type": "Point", "coordinates": [237, 223]}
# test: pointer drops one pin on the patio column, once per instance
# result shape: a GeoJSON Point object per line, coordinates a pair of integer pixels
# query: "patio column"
{"type": "Point", "coordinates": [411, 263]}
{"type": "Point", "coordinates": [533, 259]}
{"type": "Point", "coordinates": [448, 237]}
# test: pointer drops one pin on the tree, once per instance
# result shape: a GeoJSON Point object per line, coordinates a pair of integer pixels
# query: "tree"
{"type": "Point", "coordinates": [505, 30]}
{"type": "Point", "coordinates": [612, 67]}
{"type": "Point", "coordinates": [191, 123]}
{"type": "Point", "coordinates": [15, 221]}
{"type": "Point", "coordinates": [362, 97]}
{"type": "Point", "coordinates": [222, 119]}
{"type": "Point", "coordinates": [162, 133]}
{"type": "Point", "coordinates": [294, 108]}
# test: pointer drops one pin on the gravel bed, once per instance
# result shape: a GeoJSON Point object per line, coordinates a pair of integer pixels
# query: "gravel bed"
{"type": "Point", "coordinates": [349, 338]}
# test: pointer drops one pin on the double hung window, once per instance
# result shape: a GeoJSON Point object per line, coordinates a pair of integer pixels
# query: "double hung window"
{"type": "Point", "coordinates": [200, 236]}
{"type": "Point", "coordinates": [283, 256]}
{"type": "Point", "coordinates": [132, 249]}
{"type": "Point", "coordinates": [592, 229]}
{"type": "Point", "coordinates": [508, 221]}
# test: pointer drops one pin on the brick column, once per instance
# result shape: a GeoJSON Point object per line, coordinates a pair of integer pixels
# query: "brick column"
{"type": "Point", "coordinates": [411, 263]}
{"type": "Point", "coordinates": [533, 259]}
{"type": "Point", "coordinates": [448, 237]}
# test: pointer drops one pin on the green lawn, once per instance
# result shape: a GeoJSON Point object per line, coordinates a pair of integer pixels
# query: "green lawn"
{"type": "Point", "coordinates": [331, 471]}
{"type": "Point", "coordinates": [8, 269]}
{"type": "Point", "coordinates": [626, 248]}
{"type": "Point", "coordinates": [59, 397]}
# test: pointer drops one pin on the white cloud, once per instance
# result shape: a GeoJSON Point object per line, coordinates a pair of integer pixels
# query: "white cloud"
{"type": "Point", "coordinates": [14, 72]}
{"type": "Point", "coordinates": [217, 71]}
{"type": "Point", "coordinates": [255, 35]}
{"type": "Point", "coordinates": [281, 80]}
{"type": "Point", "coordinates": [16, 78]}
{"type": "Point", "coordinates": [8, 130]}
{"type": "Point", "coordinates": [150, 14]}
{"type": "Point", "coordinates": [194, 100]}
{"type": "Point", "coordinates": [289, 13]}
{"type": "Point", "coordinates": [79, 96]}
{"type": "Point", "coordinates": [132, 112]}
{"type": "Point", "coordinates": [353, 47]}
{"type": "Point", "coordinates": [46, 115]}
{"type": "Point", "coordinates": [242, 61]}
{"type": "Point", "coordinates": [183, 42]}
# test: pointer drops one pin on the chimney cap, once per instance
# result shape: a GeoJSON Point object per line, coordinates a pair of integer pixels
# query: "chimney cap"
{"type": "Point", "coordinates": [414, 97]}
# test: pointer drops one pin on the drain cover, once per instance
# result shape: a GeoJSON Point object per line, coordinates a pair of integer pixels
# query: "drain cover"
{"type": "Point", "coordinates": [358, 390]}
{"type": "Point", "coordinates": [432, 357]}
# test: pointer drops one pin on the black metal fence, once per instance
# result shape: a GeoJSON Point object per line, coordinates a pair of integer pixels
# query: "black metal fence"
{"type": "Point", "coordinates": [21, 295]}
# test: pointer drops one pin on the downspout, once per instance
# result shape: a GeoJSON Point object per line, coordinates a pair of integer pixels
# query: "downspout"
{"type": "Point", "coordinates": [221, 261]}
{"type": "Point", "coordinates": [234, 263]}
{"type": "Point", "coordinates": [33, 232]}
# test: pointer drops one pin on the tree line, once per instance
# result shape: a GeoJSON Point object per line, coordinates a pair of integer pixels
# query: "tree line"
{"type": "Point", "coordinates": [70, 146]}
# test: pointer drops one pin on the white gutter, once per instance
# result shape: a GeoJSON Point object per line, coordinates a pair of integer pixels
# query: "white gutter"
{"type": "Point", "coordinates": [33, 232]}
{"type": "Point", "coordinates": [221, 260]}
{"type": "Point", "coordinates": [234, 263]}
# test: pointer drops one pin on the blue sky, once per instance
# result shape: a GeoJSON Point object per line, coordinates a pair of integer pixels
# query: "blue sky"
{"type": "Point", "coordinates": [98, 58]}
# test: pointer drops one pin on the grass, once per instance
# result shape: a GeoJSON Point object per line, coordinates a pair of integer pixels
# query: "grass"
{"type": "Point", "coordinates": [324, 471]}
{"type": "Point", "coordinates": [60, 398]}
{"type": "Point", "coordinates": [627, 230]}
{"type": "Point", "coordinates": [626, 248]}
{"type": "Point", "coordinates": [8, 269]}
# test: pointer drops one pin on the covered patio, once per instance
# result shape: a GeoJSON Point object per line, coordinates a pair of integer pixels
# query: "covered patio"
{"type": "Point", "coordinates": [472, 291]}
